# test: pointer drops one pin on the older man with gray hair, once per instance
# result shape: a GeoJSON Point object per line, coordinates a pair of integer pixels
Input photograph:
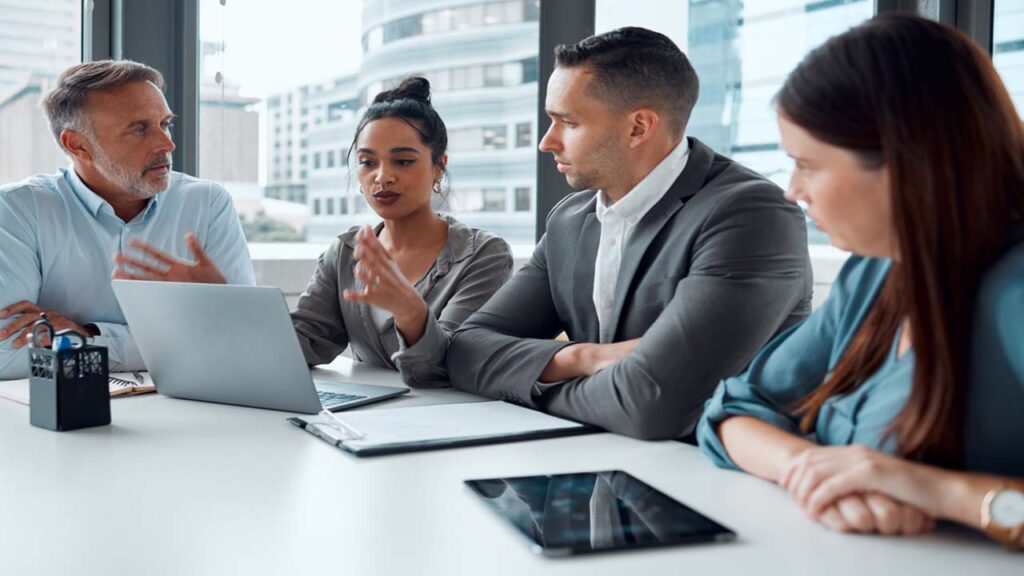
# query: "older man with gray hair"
{"type": "Point", "coordinates": [65, 235]}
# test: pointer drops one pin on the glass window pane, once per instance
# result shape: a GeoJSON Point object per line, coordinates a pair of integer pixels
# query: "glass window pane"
{"type": "Point", "coordinates": [1008, 47]}
{"type": "Point", "coordinates": [494, 137]}
{"type": "Point", "coordinates": [524, 135]}
{"type": "Point", "coordinates": [277, 118]}
{"type": "Point", "coordinates": [37, 42]}
{"type": "Point", "coordinates": [742, 52]}
{"type": "Point", "coordinates": [494, 200]}
{"type": "Point", "coordinates": [523, 197]}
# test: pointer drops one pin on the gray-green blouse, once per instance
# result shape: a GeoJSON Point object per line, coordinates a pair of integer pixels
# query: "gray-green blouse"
{"type": "Point", "coordinates": [798, 360]}
{"type": "Point", "coordinates": [471, 267]}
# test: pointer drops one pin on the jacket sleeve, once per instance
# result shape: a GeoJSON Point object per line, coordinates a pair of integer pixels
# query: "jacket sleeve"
{"type": "Point", "coordinates": [317, 317]}
{"type": "Point", "coordinates": [749, 271]}
{"type": "Point", "coordinates": [423, 364]}
{"type": "Point", "coordinates": [501, 350]}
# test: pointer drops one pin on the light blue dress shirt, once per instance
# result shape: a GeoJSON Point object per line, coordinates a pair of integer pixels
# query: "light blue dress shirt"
{"type": "Point", "coordinates": [799, 359]}
{"type": "Point", "coordinates": [59, 239]}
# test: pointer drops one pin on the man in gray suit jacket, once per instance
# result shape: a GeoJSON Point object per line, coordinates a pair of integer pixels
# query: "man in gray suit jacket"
{"type": "Point", "coordinates": [668, 272]}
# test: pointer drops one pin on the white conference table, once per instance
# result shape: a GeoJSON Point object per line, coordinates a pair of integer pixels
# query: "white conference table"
{"type": "Point", "coordinates": [180, 487]}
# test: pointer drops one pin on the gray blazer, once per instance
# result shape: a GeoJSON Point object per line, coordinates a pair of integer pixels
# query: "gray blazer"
{"type": "Point", "coordinates": [710, 273]}
{"type": "Point", "coordinates": [471, 267]}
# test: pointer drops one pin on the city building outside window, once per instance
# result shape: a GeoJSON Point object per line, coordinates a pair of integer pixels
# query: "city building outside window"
{"type": "Point", "coordinates": [40, 40]}
{"type": "Point", "coordinates": [524, 135]}
{"type": "Point", "coordinates": [494, 137]}
{"type": "Point", "coordinates": [493, 200]}
{"type": "Point", "coordinates": [1008, 47]}
{"type": "Point", "coordinates": [303, 94]}
{"type": "Point", "coordinates": [523, 197]}
{"type": "Point", "coordinates": [452, 19]}
{"type": "Point", "coordinates": [742, 52]}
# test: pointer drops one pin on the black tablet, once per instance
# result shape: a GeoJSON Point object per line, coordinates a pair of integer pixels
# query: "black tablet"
{"type": "Point", "coordinates": [567, 514]}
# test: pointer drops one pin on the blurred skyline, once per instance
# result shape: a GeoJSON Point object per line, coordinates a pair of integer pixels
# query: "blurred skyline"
{"type": "Point", "coordinates": [319, 48]}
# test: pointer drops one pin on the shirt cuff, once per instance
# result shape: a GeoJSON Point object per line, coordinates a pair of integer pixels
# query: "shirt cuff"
{"type": "Point", "coordinates": [423, 363]}
{"type": "Point", "coordinates": [734, 397]}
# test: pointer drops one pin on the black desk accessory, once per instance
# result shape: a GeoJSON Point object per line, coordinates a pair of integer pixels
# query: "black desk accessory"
{"type": "Point", "coordinates": [68, 387]}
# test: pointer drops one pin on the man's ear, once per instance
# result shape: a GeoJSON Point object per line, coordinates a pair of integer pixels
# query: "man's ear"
{"type": "Point", "coordinates": [645, 122]}
{"type": "Point", "coordinates": [76, 144]}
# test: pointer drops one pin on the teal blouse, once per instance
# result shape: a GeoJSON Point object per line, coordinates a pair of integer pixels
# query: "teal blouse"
{"type": "Point", "coordinates": [799, 359]}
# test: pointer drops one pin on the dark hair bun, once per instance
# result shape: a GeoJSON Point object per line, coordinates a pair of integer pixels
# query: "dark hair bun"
{"type": "Point", "coordinates": [414, 88]}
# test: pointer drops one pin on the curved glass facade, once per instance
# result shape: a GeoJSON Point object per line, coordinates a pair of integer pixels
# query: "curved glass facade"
{"type": "Point", "coordinates": [453, 18]}
{"type": "Point", "coordinates": [742, 51]}
{"type": "Point", "coordinates": [481, 60]}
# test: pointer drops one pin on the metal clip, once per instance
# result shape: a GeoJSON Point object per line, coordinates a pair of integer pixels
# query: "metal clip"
{"type": "Point", "coordinates": [59, 340]}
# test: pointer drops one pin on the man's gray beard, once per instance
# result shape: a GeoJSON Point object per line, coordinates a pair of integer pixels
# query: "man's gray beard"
{"type": "Point", "coordinates": [124, 179]}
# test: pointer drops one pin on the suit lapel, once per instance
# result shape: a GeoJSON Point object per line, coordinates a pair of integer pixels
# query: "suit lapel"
{"type": "Point", "coordinates": [686, 185]}
{"type": "Point", "coordinates": [584, 264]}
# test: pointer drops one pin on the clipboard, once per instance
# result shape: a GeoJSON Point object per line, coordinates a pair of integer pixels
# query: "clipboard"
{"type": "Point", "coordinates": [440, 426]}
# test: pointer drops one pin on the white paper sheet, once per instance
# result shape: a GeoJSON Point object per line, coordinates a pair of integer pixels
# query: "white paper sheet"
{"type": "Point", "coordinates": [443, 422]}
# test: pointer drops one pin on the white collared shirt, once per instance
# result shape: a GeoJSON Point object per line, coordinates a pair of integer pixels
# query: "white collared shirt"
{"type": "Point", "coordinates": [618, 221]}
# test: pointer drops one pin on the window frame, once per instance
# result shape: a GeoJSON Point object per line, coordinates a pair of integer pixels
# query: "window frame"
{"type": "Point", "coordinates": [119, 29]}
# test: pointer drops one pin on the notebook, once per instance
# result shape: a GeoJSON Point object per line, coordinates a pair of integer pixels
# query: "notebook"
{"type": "Point", "coordinates": [121, 384]}
{"type": "Point", "coordinates": [125, 384]}
{"type": "Point", "coordinates": [416, 428]}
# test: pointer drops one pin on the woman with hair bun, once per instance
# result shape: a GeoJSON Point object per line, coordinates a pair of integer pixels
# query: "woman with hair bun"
{"type": "Point", "coordinates": [393, 293]}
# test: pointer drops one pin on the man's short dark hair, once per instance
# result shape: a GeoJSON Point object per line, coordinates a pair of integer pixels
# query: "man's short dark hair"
{"type": "Point", "coordinates": [636, 67]}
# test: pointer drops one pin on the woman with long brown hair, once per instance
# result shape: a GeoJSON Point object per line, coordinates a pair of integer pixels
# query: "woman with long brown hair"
{"type": "Point", "coordinates": [901, 400]}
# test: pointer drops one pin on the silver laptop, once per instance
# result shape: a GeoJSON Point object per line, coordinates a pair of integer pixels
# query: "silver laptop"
{"type": "Point", "coordinates": [230, 344]}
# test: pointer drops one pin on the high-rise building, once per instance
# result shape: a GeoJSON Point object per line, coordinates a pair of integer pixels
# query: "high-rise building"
{"type": "Point", "coordinates": [1008, 47]}
{"type": "Point", "coordinates": [38, 40]}
{"type": "Point", "coordinates": [332, 127]}
{"type": "Point", "coordinates": [229, 147]}
{"type": "Point", "coordinates": [286, 123]}
{"type": "Point", "coordinates": [229, 130]}
{"type": "Point", "coordinates": [742, 50]}
{"type": "Point", "coordinates": [481, 60]}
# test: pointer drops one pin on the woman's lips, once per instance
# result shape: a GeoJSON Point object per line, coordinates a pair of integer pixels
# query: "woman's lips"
{"type": "Point", "coordinates": [386, 198]}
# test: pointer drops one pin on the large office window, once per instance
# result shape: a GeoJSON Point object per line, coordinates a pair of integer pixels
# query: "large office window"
{"type": "Point", "coordinates": [742, 52]}
{"type": "Point", "coordinates": [1008, 47]}
{"type": "Point", "coordinates": [38, 40]}
{"type": "Point", "coordinates": [283, 84]}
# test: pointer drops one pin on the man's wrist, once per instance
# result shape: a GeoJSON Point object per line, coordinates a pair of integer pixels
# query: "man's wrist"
{"type": "Point", "coordinates": [582, 357]}
{"type": "Point", "coordinates": [563, 365]}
